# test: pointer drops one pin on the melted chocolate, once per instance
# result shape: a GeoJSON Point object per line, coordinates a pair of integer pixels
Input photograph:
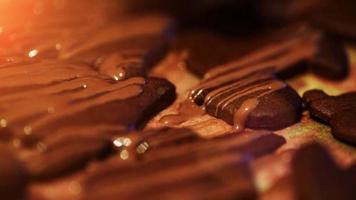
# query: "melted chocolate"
{"type": "Point", "coordinates": [186, 110]}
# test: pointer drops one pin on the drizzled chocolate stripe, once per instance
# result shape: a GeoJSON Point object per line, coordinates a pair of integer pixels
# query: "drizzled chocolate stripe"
{"type": "Point", "coordinates": [32, 76]}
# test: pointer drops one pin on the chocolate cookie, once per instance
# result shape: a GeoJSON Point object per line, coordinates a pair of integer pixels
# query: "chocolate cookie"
{"type": "Point", "coordinates": [118, 49]}
{"type": "Point", "coordinates": [253, 101]}
{"type": "Point", "coordinates": [249, 97]}
{"type": "Point", "coordinates": [89, 101]}
{"type": "Point", "coordinates": [336, 17]}
{"type": "Point", "coordinates": [13, 176]}
{"type": "Point", "coordinates": [71, 121]}
{"type": "Point", "coordinates": [125, 49]}
{"type": "Point", "coordinates": [65, 156]}
{"type": "Point", "coordinates": [316, 176]}
{"type": "Point", "coordinates": [247, 93]}
{"type": "Point", "coordinates": [42, 29]}
{"type": "Point", "coordinates": [302, 47]}
{"type": "Point", "coordinates": [338, 111]}
{"type": "Point", "coordinates": [124, 105]}
{"type": "Point", "coordinates": [290, 50]}
{"type": "Point", "coordinates": [68, 152]}
{"type": "Point", "coordinates": [192, 170]}
{"type": "Point", "coordinates": [224, 15]}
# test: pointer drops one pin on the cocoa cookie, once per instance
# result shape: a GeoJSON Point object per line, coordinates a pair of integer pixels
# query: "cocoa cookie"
{"type": "Point", "coordinates": [249, 97]}
{"type": "Point", "coordinates": [337, 111]}
{"type": "Point", "coordinates": [65, 156]}
{"type": "Point", "coordinates": [260, 104]}
{"type": "Point", "coordinates": [118, 49]}
{"type": "Point", "coordinates": [336, 17]}
{"type": "Point", "coordinates": [248, 92]}
{"type": "Point", "coordinates": [70, 151]}
{"type": "Point", "coordinates": [185, 169]}
{"type": "Point", "coordinates": [224, 15]}
{"type": "Point", "coordinates": [13, 175]}
{"type": "Point", "coordinates": [94, 102]}
{"type": "Point", "coordinates": [125, 49]}
{"type": "Point", "coordinates": [289, 50]}
{"type": "Point", "coordinates": [315, 175]}
{"type": "Point", "coordinates": [103, 107]}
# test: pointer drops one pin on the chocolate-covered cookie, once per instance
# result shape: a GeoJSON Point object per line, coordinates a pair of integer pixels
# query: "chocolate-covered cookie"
{"type": "Point", "coordinates": [316, 176]}
{"type": "Point", "coordinates": [124, 49]}
{"type": "Point", "coordinates": [248, 93]}
{"type": "Point", "coordinates": [336, 17]}
{"type": "Point", "coordinates": [13, 176]}
{"type": "Point", "coordinates": [302, 48]}
{"type": "Point", "coordinates": [140, 101]}
{"type": "Point", "coordinates": [253, 100]}
{"type": "Point", "coordinates": [69, 151]}
{"type": "Point", "coordinates": [224, 15]}
{"type": "Point", "coordinates": [249, 97]}
{"type": "Point", "coordinates": [54, 104]}
{"type": "Point", "coordinates": [338, 111]}
{"type": "Point", "coordinates": [65, 156]}
{"type": "Point", "coordinates": [289, 50]}
{"type": "Point", "coordinates": [210, 169]}
{"type": "Point", "coordinates": [118, 49]}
